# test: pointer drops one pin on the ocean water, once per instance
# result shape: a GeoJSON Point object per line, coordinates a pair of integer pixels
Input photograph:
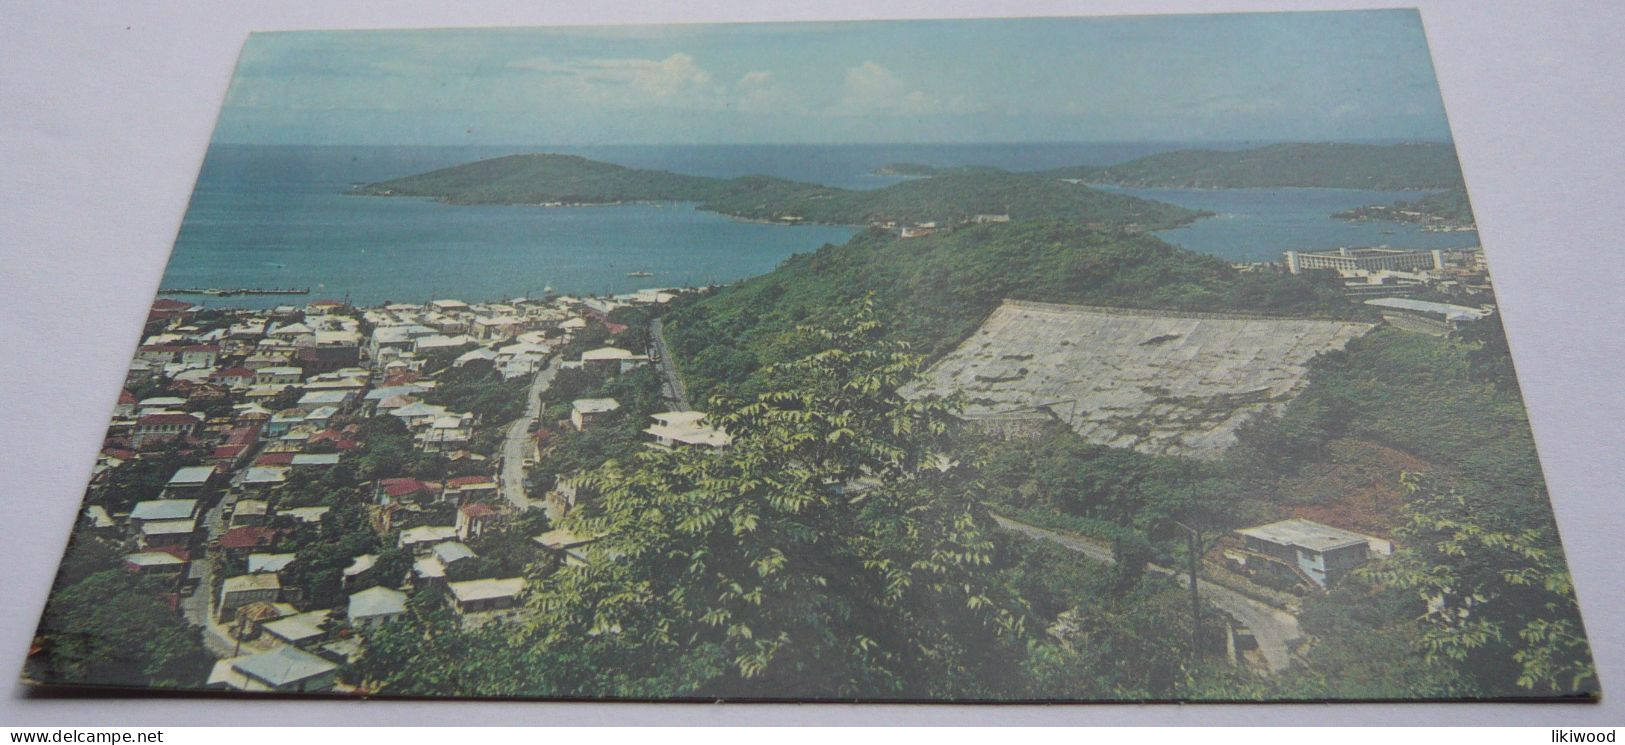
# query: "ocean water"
{"type": "Point", "coordinates": [1261, 224]}
{"type": "Point", "coordinates": [273, 216]}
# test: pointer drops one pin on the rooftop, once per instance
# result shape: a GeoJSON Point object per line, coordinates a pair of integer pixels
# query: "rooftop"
{"type": "Point", "coordinates": [164, 509]}
{"type": "Point", "coordinates": [1305, 534]}
{"type": "Point", "coordinates": [376, 601]}
{"type": "Point", "coordinates": [486, 589]}
{"type": "Point", "coordinates": [283, 666]}
{"type": "Point", "coordinates": [595, 405]}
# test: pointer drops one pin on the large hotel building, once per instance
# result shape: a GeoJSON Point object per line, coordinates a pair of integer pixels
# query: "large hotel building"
{"type": "Point", "coordinates": [1368, 259]}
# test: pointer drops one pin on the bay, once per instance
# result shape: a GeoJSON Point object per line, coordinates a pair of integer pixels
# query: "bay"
{"type": "Point", "coordinates": [280, 216]}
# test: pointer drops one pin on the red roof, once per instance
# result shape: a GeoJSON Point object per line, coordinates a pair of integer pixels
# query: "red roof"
{"type": "Point", "coordinates": [478, 509]}
{"type": "Point", "coordinates": [228, 452]}
{"type": "Point", "coordinates": [153, 420]}
{"type": "Point", "coordinates": [126, 397]}
{"type": "Point", "coordinates": [248, 536]}
{"type": "Point", "coordinates": [614, 328]}
{"type": "Point", "coordinates": [275, 459]}
{"type": "Point", "coordinates": [402, 486]}
{"type": "Point", "coordinates": [120, 453]}
{"type": "Point", "coordinates": [242, 435]}
{"type": "Point", "coordinates": [461, 481]}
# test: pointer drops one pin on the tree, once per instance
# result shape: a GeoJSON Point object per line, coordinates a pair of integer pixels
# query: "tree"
{"type": "Point", "coordinates": [112, 628]}
{"type": "Point", "coordinates": [829, 551]}
{"type": "Point", "coordinates": [1500, 602]}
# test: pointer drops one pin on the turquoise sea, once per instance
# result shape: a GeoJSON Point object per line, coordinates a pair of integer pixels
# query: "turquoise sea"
{"type": "Point", "coordinates": [274, 216]}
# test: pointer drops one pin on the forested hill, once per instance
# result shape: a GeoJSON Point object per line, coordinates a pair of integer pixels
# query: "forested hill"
{"type": "Point", "coordinates": [933, 291]}
{"type": "Point", "coordinates": [1334, 165]}
{"type": "Point", "coordinates": [950, 198]}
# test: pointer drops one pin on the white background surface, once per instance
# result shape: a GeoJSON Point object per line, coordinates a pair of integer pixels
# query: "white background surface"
{"type": "Point", "coordinates": [106, 110]}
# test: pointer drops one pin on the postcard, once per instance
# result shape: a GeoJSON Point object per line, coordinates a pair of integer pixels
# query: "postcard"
{"type": "Point", "coordinates": [1067, 359]}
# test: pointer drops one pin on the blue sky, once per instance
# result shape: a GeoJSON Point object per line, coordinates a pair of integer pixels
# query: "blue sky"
{"type": "Point", "coordinates": [1363, 75]}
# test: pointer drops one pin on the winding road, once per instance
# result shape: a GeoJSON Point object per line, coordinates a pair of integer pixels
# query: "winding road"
{"type": "Point", "coordinates": [518, 439]}
{"type": "Point", "coordinates": [1275, 629]}
{"type": "Point", "coordinates": [674, 390]}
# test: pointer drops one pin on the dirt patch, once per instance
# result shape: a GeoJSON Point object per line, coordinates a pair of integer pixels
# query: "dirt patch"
{"type": "Point", "coordinates": [1355, 488]}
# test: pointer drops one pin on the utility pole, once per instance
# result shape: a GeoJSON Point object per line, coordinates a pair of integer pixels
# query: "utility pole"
{"type": "Point", "coordinates": [1194, 561]}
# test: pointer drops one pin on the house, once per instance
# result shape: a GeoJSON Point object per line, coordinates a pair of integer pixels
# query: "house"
{"type": "Point", "coordinates": [154, 510]}
{"type": "Point", "coordinates": [307, 460]}
{"type": "Point", "coordinates": [243, 589]}
{"type": "Point", "coordinates": [468, 487]}
{"type": "Point", "coordinates": [358, 566]}
{"type": "Point", "coordinates": [263, 478]}
{"type": "Point", "coordinates": [284, 420]}
{"type": "Point", "coordinates": [445, 434]}
{"type": "Point", "coordinates": [607, 361]}
{"type": "Point", "coordinates": [449, 553]}
{"type": "Point", "coordinates": [473, 519]}
{"type": "Point", "coordinates": [250, 512]}
{"type": "Point", "coordinates": [299, 629]}
{"type": "Point", "coordinates": [156, 534]}
{"type": "Point", "coordinates": [238, 542]}
{"type": "Point", "coordinates": [396, 490]}
{"type": "Point", "coordinates": [479, 601]}
{"type": "Point", "coordinates": [422, 537]}
{"type": "Point", "coordinates": [281, 375]}
{"type": "Point", "coordinates": [154, 563]}
{"type": "Point", "coordinates": [375, 606]}
{"type": "Point", "coordinates": [273, 563]}
{"type": "Point", "coordinates": [189, 481]}
{"type": "Point", "coordinates": [584, 412]}
{"type": "Point", "coordinates": [673, 428]}
{"type": "Point", "coordinates": [126, 407]}
{"type": "Point", "coordinates": [156, 429]}
{"type": "Point", "coordinates": [560, 539]}
{"type": "Point", "coordinates": [319, 398]}
{"type": "Point", "coordinates": [281, 670]}
{"type": "Point", "coordinates": [1321, 553]}
{"type": "Point", "coordinates": [200, 355]}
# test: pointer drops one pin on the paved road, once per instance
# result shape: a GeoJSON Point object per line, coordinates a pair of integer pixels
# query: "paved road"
{"type": "Point", "coordinates": [673, 390]}
{"type": "Point", "coordinates": [1274, 628]}
{"type": "Point", "coordinates": [516, 445]}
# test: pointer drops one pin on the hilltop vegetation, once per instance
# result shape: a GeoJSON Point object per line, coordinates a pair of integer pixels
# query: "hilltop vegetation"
{"type": "Point", "coordinates": [933, 291]}
{"type": "Point", "coordinates": [1330, 165]}
{"type": "Point", "coordinates": [953, 197]}
{"type": "Point", "coordinates": [1448, 208]}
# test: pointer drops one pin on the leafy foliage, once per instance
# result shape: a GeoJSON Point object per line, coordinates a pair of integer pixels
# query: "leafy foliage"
{"type": "Point", "coordinates": [113, 628]}
{"type": "Point", "coordinates": [1501, 605]}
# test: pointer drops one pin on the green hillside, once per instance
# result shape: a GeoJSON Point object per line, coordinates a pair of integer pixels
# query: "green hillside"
{"type": "Point", "coordinates": [933, 291]}
{"type": "Point", "coordinates": [1333, 165]}
{"type": "Point", "coordinates": [956, 196]}
{"type": "Point", "coordinates": [953, 197]}
{"type": "Point", "coordinates": [1448, 208]}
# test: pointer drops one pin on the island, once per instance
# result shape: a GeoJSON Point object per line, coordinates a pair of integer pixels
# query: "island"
{"type": "Point", "coordinates": [956, 196]}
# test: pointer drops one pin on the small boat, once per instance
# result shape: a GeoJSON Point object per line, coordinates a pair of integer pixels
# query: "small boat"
{"type": "Point", "coordinates": [640, 274]}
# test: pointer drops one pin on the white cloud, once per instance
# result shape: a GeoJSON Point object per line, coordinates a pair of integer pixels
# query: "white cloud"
{"type": "Point", "coordinates": [759, 92]}
{"type": "Point", "coordinates": [870, 88]}
{"type": "Point", "coordinates": [629, 81]}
